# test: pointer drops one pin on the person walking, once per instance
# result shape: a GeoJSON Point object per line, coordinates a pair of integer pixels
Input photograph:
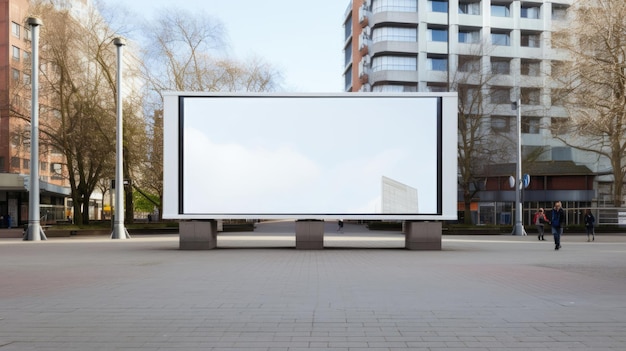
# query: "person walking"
{"type": "Point", "coordinates": [590, 222]}
{"type": "Point", "coordinates": [539, 219]}
{"type": "Point", "coordinates": [557, 221]}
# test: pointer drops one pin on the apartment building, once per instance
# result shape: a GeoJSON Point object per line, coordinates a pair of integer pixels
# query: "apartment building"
{"type": "Point", "coordinates": [15, 106]}
{"type": "Point", "coordinates": [431, 45]}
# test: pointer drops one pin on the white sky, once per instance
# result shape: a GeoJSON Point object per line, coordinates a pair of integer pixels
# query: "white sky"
{"type": "Point", "coordinates": [303, 39]}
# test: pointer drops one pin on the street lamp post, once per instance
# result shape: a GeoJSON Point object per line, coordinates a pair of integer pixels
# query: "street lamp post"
{"type": "Point", "coordinates": [34, 232]}
{"type": "Point", "coordinates": [518, 229]}
{"type": "Point", "coordinates": [119, 231]}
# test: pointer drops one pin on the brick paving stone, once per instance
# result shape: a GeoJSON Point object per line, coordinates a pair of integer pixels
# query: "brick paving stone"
{"type": "Point", "coordinates": [256, 292]}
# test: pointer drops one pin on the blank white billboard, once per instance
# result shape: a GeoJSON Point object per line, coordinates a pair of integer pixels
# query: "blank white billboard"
{"type": "Point", "coordinates": [307, 156]}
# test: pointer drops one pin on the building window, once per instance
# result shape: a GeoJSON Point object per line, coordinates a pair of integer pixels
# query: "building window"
{"type": "Point", "coordinates": [562, 153]}
{"type": "Point", "coordinates": [500, 10]}
{"type": "Point", "coordinates": [15, 74]}
{"type": "Point", "coordinates": [347, 53]}
{"type": "Point", "coordinates": [558, 97]}
{"type": "Point", "coordinates": [557, 68]}
{"type": "Point", "coordinates": [438, 34]}
{"type": "Point", "coordinates": [27, 34]}
{"type": "Point", "coordinates": [2, 169]}
{"type": "Point", "coordinates": [26, 56]}
{"type": "Point", "coordinates": [531, 96]}
{"type": "Point", "coordinates": [347, 26]}
{"type": "Point", "coordinates": [25, 163]}
{"type": "Point", "coordinates": [394, 5]}
{"type": "Point", "coordinates": [469, 35]}
{"type": "Point", "coordinates": [501, 38]}
{"type": "Point", "coordinates": [469, 7]}
{"type": "Point", "coordinates": [437, 87]}
{"type": "Point", "coordinates": [530, 11]}
{"type": "Point", "coordinates": [348, 79]}
{"type": "Point", "coordinates": [530, 39]}
{"type": "Point", "coordinates": [500, 65]}
{"type": "Point", "coordinates": [15, 29]}
{"type": "Point", "coordinates": [500, 124]}
{"type": "Point", "coordinates": [559, 12]}
{"type": "Point", "coordinates": [559, 125]}
{"type": "Point", "coordinates": [15, 162]}
{"type": "Point", "coordinates": [394, 63]}
{"type": "Point", "coordinates": [395, 88]}
{"type": "Point", "coordinates": [26, 78]}
{"type": "Point", "coordinates": [438, 63]}
{"type": "Point", "coordinates": [408, 34]}
{"type": "Point", "coordinates": [16, 53]}
{"type": "Point", "coordinates": [530, 125]}
{"type": "Point", "coordinates": [500, 95]}
{"type": "Point", "coordinates": [439, 6]}
{"type": "Point", "coordinates": [43, 166]}
{"type": "Point", "coordinates": [469, 63]}
{"type": "Point", "coordinates": [530, 68]}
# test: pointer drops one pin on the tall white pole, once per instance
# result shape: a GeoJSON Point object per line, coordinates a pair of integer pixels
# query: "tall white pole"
{"type": "Point", "coordinates": [519, 226]}
{"type": "Point", "coordinates": [34, 231]}
{"type": "Point", "coordinates": [119, 231]}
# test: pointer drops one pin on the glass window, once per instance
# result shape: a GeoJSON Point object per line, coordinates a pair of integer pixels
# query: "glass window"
{"type": "Point", "coordinates": [559, 13]}
{"type": "Point", "coordinates": [347, 53]}
{"type": "Point", "coordinates": [16, 53]}
{"type": "Point", "coordinates": [531, 96]}
{"type": "Point", "coordinates": [15, 162]}
{"type": "Point", "coordinates": [26, 56]}
{"type": "Point", "coordinates": [500, 95]}
{"type": "Point", "coordinates": [439, 6]}
{"type": "Point", "coordinates": [530, 125]}
{"type": "Point", "coordinates": [500, 65]}
{"type": "Point", "coordinates": [26, 78]}
{"type": "Point", "coordinates": [469, 63]}
{"type": "Point", "coordinates": [348, 79]}
{"type": "Point", "coordinates": [501, 38]}
{"type": "Point", "coordinates": [557, 68]}
{"type": "Point", "coordinates": [469, 7]}
{"type": "Point", "coordinates": [530, 40]}
{"type": "Point", "coordinates": [500, 123]}
{"type": "Point", "coordinates": [558, 97]}
{"type": "Point", "coordinates": [347, 26]}
{"type": "Point", "coordinates": [394, 5]}
{"type": "Point", "coordinates": [394, 63]}
{"type": "Point", "coordinates": [15, 74]}
{"type": "Point", "coordinates": [394, 88]}
{"type": "Point", "coordinates": [469, 36]}
{"type": "Point", "coordinates": [530, 11]}
{"type": "Point", "coordinates": [26, 163]}
{"type": "Point", "coordinates": [500, 10]}
{"type": "Point", "coordinates": [15, 29]}
{"type": "Point", "coordinates": [562, 153]}
{"type": "Point", "coordinates": [437, 88]}
{"type": "Point", "coordinates": [408, 34]}
{"type": "Point", "coordinates": [438, 34]}
{"type": "Point", "coordinates": [437, 63]}
{"type": "Point", "coordinates": [558, 126]}
{"type": "Point", "coordinates": [27, 34]}
{"type": "Point", "coordinates": [530, 68]}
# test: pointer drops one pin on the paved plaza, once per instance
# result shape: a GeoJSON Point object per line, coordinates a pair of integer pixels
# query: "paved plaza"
{"type": "Point", "coordinates": [362, 292]}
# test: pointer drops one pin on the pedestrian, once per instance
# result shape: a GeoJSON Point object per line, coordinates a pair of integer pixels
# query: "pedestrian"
{"type": "Point", "coordinates": [557, 221]}
{"type": "Point", "coordinates": [340, 225]}
{"type": "Point", "coordinates": [590, 222]}
{"type": "Point", "coordinates": [539, 219]}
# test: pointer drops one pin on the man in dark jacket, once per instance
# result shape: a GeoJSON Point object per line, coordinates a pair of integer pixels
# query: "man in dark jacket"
{"type": "Point", "coordinates": [557, 221]}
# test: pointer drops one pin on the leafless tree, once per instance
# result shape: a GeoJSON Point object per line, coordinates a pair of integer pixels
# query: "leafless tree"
{"type": "Point", "coordinates": [595, 87]}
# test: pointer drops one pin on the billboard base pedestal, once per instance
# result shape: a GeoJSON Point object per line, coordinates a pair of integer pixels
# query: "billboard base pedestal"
{"type": "Point", "coordinates": [198, 235]}
{"type": "Point", "coordinates": [309, 234]}
{"type": "Point", "coordinates": [422, 235]}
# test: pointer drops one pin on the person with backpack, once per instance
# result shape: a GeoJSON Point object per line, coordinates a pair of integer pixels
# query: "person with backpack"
{"type": "Point", "coordinates": [590, 222]}
{"type": "Point", "coordinates": [557, 221]}
{"type": "Point", "coordinates": [539, 219]}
